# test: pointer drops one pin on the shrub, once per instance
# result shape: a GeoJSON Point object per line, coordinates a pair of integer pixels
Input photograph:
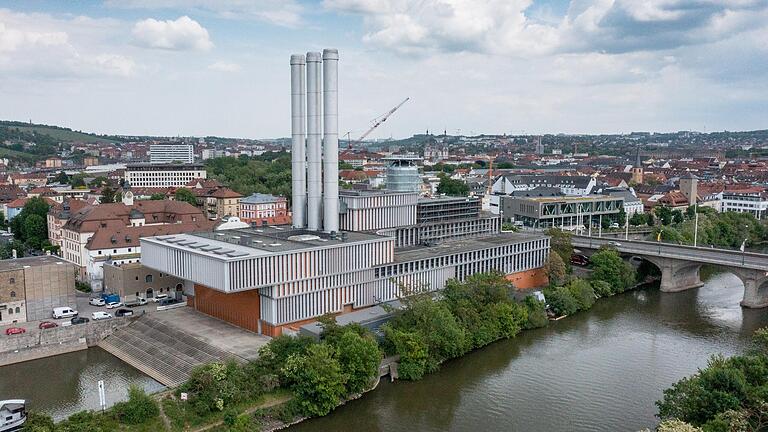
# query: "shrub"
{"type": "Point", "coordinates": [83, 421]}
{"type": "Point", "coordinates": [415, 360]}
{"type": "Point", "coordinates": [316, 380]}
{"type": "Point", "coordinates": [38, 422]}
{"type": "Point", "coordinates": [602, 288]}
{"type": "Point", "coordinates": [607, 266]}
{"type": "Point", "coordinates": [138, 409]}
{"type": "Point", "coordinates": [561, 301]}
{"type": "Point", "coordinates": [537, 313]}
{"type": "Point", "coordinates": [582, 291]}
{"type": "Point", "coordinates": [214, 386]}
{"type": "Point", "coordinates": [359, 358]}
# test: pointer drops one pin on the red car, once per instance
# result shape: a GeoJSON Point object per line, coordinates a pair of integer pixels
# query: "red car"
{"type": "Point", "coordinates": [47, 325]}
{"type": "Point", "coordinates": [580, 260]}
{"type": "Point", "coordinates": [14, 331]}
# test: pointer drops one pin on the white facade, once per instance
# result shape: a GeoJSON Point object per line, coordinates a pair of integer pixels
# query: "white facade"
{"type": "Point", "coordinates": [170, 153]}
{"type": "Point", "coordinates": [745, 202]}
{"type": "Point", "coordinates": [163, 175]}
{"type": "Point", "coordinates": [96, 258]}
{"type": "Point", "coordinates": [363, 211]}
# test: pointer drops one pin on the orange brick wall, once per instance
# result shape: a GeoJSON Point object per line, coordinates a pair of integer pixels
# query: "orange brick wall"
{"type": "Point", "coordinates": [240, 309]}
{"type": "Point", "coordinates": [533, 278]}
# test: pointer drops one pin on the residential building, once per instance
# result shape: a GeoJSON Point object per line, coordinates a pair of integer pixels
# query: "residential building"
{"type": "Point", "coordinates": [31, 287]}
{"type": "Point", "coordinates": [258, 208]}
{"type": "Point", "coordinates": [171, 153]}
{"type": "Point", "coordinates": [215, 199]}
{"type": "Point", "coordinates": [58, 215]}
{"type": "Point", "coordinates": [167, 175]}
{"type": "Point", "coordinates": [136, 279]}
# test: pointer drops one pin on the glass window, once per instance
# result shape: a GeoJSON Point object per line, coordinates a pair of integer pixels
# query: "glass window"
{"type": "Point", "coordinates": [13, 293]}
{"type": "Point", "coordinates": [148, 279]}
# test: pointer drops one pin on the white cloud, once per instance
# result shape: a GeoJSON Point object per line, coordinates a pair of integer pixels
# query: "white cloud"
{"type": "Point", "coordinates": [279, 12]}
{"type": "Point", "coordinates": [181, 34]}
{"type": "Point", "coordinates": [220, 66]}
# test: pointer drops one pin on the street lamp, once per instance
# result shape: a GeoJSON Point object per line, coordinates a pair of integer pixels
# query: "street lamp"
{"type": "Point", "coordinates": [696, 224]}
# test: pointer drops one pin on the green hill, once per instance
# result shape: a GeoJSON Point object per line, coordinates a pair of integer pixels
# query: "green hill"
{"type": "Point", "coordinates": [60, 134]}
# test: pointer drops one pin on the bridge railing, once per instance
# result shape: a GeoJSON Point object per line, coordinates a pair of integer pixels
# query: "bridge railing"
{"type": "Point", "coordinates": [732, 251]}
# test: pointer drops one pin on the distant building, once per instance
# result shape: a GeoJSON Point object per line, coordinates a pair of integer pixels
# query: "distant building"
{"type": "Point", "coordinates": [264, 207]}
{"type": "Point", "coordinates": [749, 200]}
{"type": "Point", "coordinates": [215, 199]}
{"type": "Point", "coordinates": [637, 169]}
{"type": "Point", "coordinates": [171, 153]}
{"type": "Point", "coordinates": [53, 162]}
{"type": "Point", "coordinates": [136, 279]}
{"type": "Point", "coordinates": [403, 173]}
{"type": "Point", "coordinates": [31, 287]}
{"type": "Point", "coordinates": [560, 211]}
{"type": "Point", "coordinates": [90, 161]}
{"type": "Point", "coordinates": [167, 175]}
{"type": "Point", "coordinates": [689, 187]}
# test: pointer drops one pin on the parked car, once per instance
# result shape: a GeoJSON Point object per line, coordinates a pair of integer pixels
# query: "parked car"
{"type": "Point", "coordinates": [114, 305]}
{"type": "Point", "coordinates": [97, 302]}
{"type": "Point", "coordinates": [123, 312]}
{"type": "Point", "coordinates": [79, 320]}
{"type": "Point", "coordinates": [14, 331]}
{"type": "Point", "coordinates": [99, 315]}
{"type": "Point", "coordinates": [159, 297]}
{"type": "Point", "coordinates": [580, 260]}
{"type": "Point", "coordinates": [47, 325]}
{"type": "Point", "coordinates": [134, 300]}
{"type": "Point", "coordinates": [614, 225]}
{"type": "Point", "coordinates": [64, 312]}
{"type": "Point", "coordinates": [168, 301]}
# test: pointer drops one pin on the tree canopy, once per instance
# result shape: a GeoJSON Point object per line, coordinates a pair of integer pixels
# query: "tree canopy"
{"type": "Point", "coordinates": [452, 187]}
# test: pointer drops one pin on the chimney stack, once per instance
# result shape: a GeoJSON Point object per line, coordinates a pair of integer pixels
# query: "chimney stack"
{"type": "Point", "coordinates": [314, 151]}
{"type": "Point", "coordinates": [298, 146]}
{"type": "Point", "coordinates": [331, 140]}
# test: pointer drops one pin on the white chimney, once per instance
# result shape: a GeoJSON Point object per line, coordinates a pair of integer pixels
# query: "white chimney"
{"type": "Point", "coordinates": [298, 146]}
{"type": "Point", "coordinates": [331, 140]}
{"type": "Point", "coordinates": [314, 174]}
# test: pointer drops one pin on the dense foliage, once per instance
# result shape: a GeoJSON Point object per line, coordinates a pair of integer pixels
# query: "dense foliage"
{"type": "Point", "coordinates": [470, 314]}
{"type": "Point", "coordinates": [185, 195]}
{"type": "Point", "coordinates": [608, 267]}
{"type": "Point", "coordinates": [555, 269]}
{"type": "Point", "coordinates": [30, 226]}
{"type": "Point", "coordinates": [452, 187]}
{"type": "Point", "coordinates": [728, 395]}
{"type": "Point", "coordinates": [728, 229]}
{"type": "Point", "coordinates": [269, 173]}
{"type": "Point", "coordinates": [138, 409]}
{"type": "Point", "coordinates": [560, 243]}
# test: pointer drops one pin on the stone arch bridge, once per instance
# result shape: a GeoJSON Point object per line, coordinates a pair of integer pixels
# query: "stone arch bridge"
{"type": "Point", "coordinates": [680, 265]}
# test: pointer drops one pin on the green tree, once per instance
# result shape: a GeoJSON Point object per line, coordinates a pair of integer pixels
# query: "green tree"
{"type": "Point", "coordinates": [637, 219]}
{"type": "Point", "coordinates": [452, 187]}
{"type": "Point", "coordinates": [413, 350]}
{"type": "Point", "coordinates": [582, 291]}
{"type": "Point", "coordinates": [650, 220]}
{"type": "Point", "coordinates": [359, 358]}
{"type": "Point", "coordinates": [561, 301]}
{"type": "Point", "coordinates": [664, 214]}
{"type": "Point", "coordinates": [77, 181]}
{"type": "Point", "coordinates": [677, 217]}
{"type": "Point", "coordinates": [537, 313]}
{"type": "Point", "coordinates": [621, 218]}
{"type": "Point", "coordinates": [316, 380]}
{"type": "Point", "coordinates": [61, 178]}
{"type": "Point", "coordinates": [35, 231]}
{"type": "Point", "coordinates": [157, 197]}
{"type": "Point", "coordinates": [555, 269]}
{"type": "Point", "coordinates": [560, 242]}
{"type": "Point", "coordinates": [108, 195]}
{"type": "Point", "coordinates": [607, 266]}
{"type": "Point", "coordinates": [690, 212]}
{"type": "Point", "coordinates": [185, 195]}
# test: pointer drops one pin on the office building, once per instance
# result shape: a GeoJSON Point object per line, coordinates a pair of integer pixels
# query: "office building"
{"type": "Point", "coordinates": [560, 211]}
{"type": "Point", "coordinates": [171, 153]}
{"type": "Point", "coordinates": [167, 175]}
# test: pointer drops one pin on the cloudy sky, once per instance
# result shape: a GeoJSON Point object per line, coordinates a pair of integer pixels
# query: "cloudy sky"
{"type": "Point", "coordinates": [221, 67]}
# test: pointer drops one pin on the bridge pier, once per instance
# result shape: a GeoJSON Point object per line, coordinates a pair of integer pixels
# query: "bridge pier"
{"type": "Point", "coordinates": [677, 275]}
{"type": "Point", "coordinates": [755, 288]}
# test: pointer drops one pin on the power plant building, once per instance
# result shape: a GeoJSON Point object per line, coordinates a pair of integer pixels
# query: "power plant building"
{"type": "Point", "coordinates": [346, 250]}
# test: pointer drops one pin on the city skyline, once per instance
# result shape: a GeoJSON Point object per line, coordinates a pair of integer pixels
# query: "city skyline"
{"type": "Point", "coordinates": [219, 68]}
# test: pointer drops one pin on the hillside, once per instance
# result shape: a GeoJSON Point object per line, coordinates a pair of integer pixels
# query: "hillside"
{"type": "Point", "coordinates": [60, 134]}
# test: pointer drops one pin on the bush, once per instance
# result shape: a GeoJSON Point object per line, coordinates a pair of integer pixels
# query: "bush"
{"type": "Point", "coordinates": [537, 313]}
{"type": "Point", "coordinates": [215, 386]}
{"type": "Point", "coordinates": [316, 380]}
{"type": "Point", "coordinates": [38, 422]}
{"type": "Point", "coordinates": [415, 360]}
{"type": "Point", "coordinates": [602, 288]}
{"type": "Point", "coordinates": [83, 286]}
{"type": "Point", "coordinates": [83, 421]}
{"type": "Point", "coordinates": [607, 266]}
{"type": "Point", "coordinates": [138, 409]}
{"type": "Point", "coordinates": [582, 291]}
{"type": "Point", "coordinates": [561, 301]}
{"type": "Point", "coordinates": [359, 358]}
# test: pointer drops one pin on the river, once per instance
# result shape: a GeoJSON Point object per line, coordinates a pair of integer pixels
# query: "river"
{"type": "Point", "coordinates": [600, 370]}
{"type": "Point", "coordinates": [68, 383]}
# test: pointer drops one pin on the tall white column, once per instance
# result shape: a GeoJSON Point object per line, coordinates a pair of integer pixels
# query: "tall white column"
{"type": "Point", "coordinates": [331, 140]}
{"type": "Point", "coordinates": [314, 167]}
{"type": "Point", "coordinates": [298, 146]}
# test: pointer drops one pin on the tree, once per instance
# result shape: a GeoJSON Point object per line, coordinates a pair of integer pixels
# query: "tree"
{"type": "Point", "coordinates": [555, 269]}
{"type": "Point", "coordinates": [690, 212]}
{"type": "Point", "coordinates": [560, 242]}
{"type": "Point", "coordinates": [139, 408]}
{"type": "Point", "coordinates": [77, 181]}
{"type": "Point", "coordinates": [537, 313]}
{"type": "Point", "coordinates": [637, 219]}
{"type": "Point", "coordinates": [582, 291]}
{"type": "Point", "coordinates": [449, 186]}
{"type": "Point", "coordinates": [185, 195]}
{"type": "Point", "coordinates": [61, 178]}
{"type": "Point", "coordinates": [35, 231]}
{"type": "Point", "coordinates": [108, 195]}
{"type": "Point", "coordinates": [607, 266]}
{"type": "Point", "coordinates": [561, 301]}
{"type": "Point", "coordinates": [30, 225]}
{"type": "Point", "coordinates": [621, 219]}
{"type": "Point", "coordinates": [157, 197]}
{"type": "Point", "coordinates": [650, 220]}
{"type": "Point", "coordinates": [359, 358]}
{"type": "Point", "coordinates": [677, 216]}
{"type": "Point", "coordinates": [316, 380]}
{"type": "Point", "coordinates": [664, 214]}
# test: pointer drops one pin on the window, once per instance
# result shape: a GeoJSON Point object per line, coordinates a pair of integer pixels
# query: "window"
{"type": "Point", "coordinates": [10, 311]}
{"type": "Point", "coordinates": [12, 280]}
{"type": "Point", "coordinates": [13, 293]}
{"type": "Point", "coordinates": [18, 309]}
{"type": "Point", "coordinates": [137, 278]}
{"type": "Point", "coordinates": [148, 279]}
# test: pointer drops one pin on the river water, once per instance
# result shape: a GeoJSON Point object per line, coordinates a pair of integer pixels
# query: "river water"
{"type": "Point", "coordinates": [65, 384]}
{"type": "Point", "coordinates": [600, 370]}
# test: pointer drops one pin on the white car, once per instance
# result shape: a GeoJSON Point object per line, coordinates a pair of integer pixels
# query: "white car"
{"type": "Point", "coordinates": [100, 316]}
{"type": "Point", "coordinates": [97, 302]}
{"type": "Point", "coordinates": [63, 312]}
{"type": "Point", "coordinates": [614, 225]}
{"type": "Point", "coordinates": [159, 297]}
{"type": "Point", "coordinates": [614, 243]}
{"type": "Point", "coordinates": [113, 305]}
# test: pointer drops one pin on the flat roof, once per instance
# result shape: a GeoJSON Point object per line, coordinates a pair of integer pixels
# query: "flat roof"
{"type": "Point", "coordinates": [567, 198]}
{"type": "Point", "coordinates": [450, 247]}
{"type": "Point", "coordinates": [34, 261]}
{"type": "Point", "coordinates": [262, 241]}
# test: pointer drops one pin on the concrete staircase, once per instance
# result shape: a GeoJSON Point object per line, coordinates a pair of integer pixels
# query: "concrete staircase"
{"type": "Point", "coordinates": [166, 353]}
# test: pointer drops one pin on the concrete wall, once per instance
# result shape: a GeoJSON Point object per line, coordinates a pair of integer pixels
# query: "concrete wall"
{"type": "Point", "coordinates": [43, 343]}
{"type": "Point", "coordinates": [129, 279]}
{"type": "Point", "coordinates": [49, 286]}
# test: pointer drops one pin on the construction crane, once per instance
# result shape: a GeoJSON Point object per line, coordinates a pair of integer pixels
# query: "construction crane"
{"type": "Point", "coordinates": [376, 123]}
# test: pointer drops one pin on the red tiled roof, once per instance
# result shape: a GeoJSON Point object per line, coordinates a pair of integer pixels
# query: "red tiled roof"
{"type": "Point", "coordinates": [118, 236]}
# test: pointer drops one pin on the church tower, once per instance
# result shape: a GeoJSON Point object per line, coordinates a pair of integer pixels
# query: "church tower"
{"type": "Point", "coordinates": [637, 169]}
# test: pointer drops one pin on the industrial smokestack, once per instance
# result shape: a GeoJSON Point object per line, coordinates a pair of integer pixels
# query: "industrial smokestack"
{"type": "Point", "coordinates": [298, 146]}
{"type": "Point", "coordinates": [331, 140]}
{"type": "Point", "coordinates": [314, 167]}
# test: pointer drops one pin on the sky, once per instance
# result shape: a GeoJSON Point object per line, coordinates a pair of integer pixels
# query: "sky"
{"type": "Point", "coordinates": [221, 67]}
